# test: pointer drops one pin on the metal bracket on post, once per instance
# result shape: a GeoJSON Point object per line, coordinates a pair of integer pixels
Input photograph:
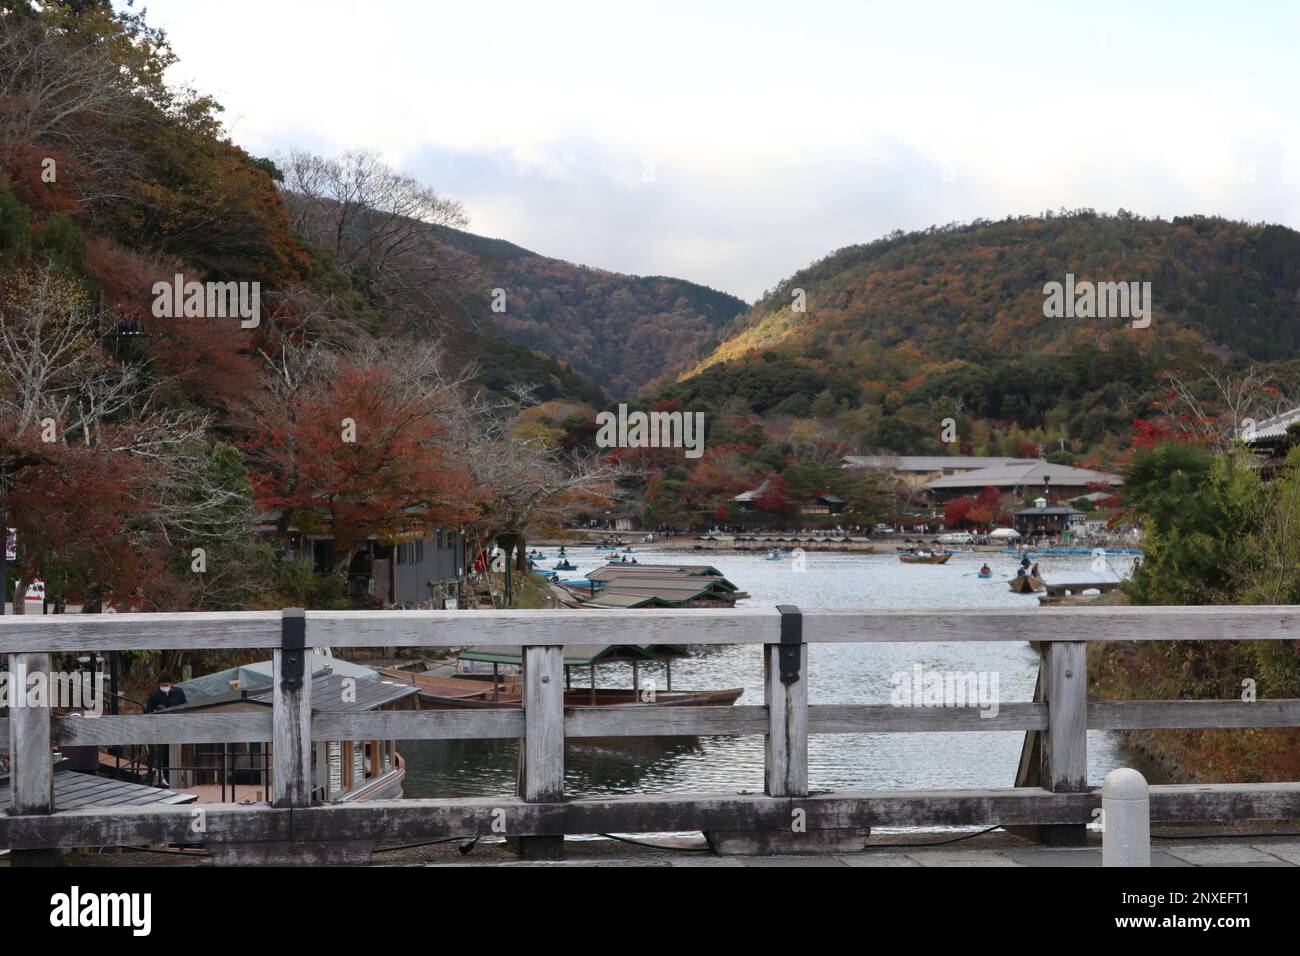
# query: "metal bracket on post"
{"type": "Point", "coordinates": [293, 645]}
{"type": "Point", "coordinates": [791, 641]}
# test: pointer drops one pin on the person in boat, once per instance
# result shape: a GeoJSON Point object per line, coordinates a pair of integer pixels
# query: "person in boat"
{"type": "Point", "coordinates": [1034, 572]}
{"type": "Point", "coordinates": [634, 561]}
{"type": "Point", "coordinates": [1020, 571]}
{"type": "Point", "coordinates": [984, 568]}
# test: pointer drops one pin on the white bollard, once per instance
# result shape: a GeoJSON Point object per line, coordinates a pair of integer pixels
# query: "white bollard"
{"type": "Point", "coordinates": [1125, 819]}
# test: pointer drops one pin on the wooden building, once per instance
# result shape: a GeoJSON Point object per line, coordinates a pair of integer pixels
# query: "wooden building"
{"type": "Point", "coordinates": [342, 770]}
{"type": "Point", "coordinates": [1044, 520]}
{"type": "Point", "coordinates": [427, 573]}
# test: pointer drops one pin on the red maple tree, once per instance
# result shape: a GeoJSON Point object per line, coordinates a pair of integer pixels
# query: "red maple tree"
{"type": "Point", "coordinates": [354, 458]}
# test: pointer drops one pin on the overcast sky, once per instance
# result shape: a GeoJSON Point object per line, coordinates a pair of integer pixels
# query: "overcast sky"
{"type": "Point", "coordinates": [732, 144]}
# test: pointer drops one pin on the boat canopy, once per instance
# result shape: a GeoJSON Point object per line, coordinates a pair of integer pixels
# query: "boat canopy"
{"type": "Point", "coordinates": [578, 655]}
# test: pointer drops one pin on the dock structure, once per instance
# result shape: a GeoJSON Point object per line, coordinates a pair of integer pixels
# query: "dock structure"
{"type": "Point", "coordinates": [659, 586]}
{"type": "Point", "coordinates": [297, 827]}
{"type": "Point", "coordinates": [1061, 589]}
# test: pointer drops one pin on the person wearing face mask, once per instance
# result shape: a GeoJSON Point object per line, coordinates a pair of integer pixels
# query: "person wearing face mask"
{"type": "Point", "coordinates": [164, 697]}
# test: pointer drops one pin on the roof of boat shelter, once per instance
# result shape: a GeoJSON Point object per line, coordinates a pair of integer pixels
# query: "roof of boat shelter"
{"type": "Point", "coordinates": [577, 655]}
{"type": "Point", "coordinates": [615, 569]}
{"type": "Point", "coordinates": [74, 790]}
{"type": "Point", "coordinates": [329, 694]}
{"type": "Point", "coordinates": [260, 674]}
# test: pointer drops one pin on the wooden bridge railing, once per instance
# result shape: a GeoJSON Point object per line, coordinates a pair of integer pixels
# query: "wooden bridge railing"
{"type": "Point", "coordinates": [541, 814]}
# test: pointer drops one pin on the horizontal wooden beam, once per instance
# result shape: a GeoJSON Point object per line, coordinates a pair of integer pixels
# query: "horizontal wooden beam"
{"type": "Point", "coordinates": [197, 728]}
{"type": "Point", "coordinates": [481, 816]}
{"type": "Point", "coordinates": [637, 721]}
{"type": "Point", "coordinates": [740, 625]}
{"type": "Point", "coordinates": [1201, 714]}
{"type": "Point", "coordinates": [885, 718]}
{"type": "Point", "coordinates": [477, 724]}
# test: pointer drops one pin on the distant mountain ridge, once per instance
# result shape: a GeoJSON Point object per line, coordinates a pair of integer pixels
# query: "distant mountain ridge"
{"type": "Point", "coordinates": [619, 331]}
{"type": "Point", "coordinates": [959, 292]}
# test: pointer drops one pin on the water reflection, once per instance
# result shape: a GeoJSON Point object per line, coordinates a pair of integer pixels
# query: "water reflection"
{"type": "Point", "coordinates": [837, 674]}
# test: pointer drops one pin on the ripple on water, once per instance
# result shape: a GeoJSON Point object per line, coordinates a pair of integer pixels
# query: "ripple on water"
{"type": "Point", "coordinates": [838, 674]}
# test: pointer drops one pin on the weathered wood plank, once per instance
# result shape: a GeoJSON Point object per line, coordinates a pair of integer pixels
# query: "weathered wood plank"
{"type": "Point", "coordinates": [290, 725]}
{"type": "Point", "coordinates": [164, 728]}
{"type": "Point", "coordinates": [135, 826]}
{"type": "Point", "coordinates": [1064, 762]}
{"type": "Point", "coordinates": [658, 721]}
{"type": "Point", "coordinates": [650, 721]}
{"type": "Point", "coordinates": [542, 753]}
{"type": "Point", "coordinates": [179, 630]}
{"type": "Point", "coordinates": [404, 819]}
{"type": "Point", "coordinates": [786, 746]}
{"type": "Point", "coordinates": [1172, 714]}
{"type": "Point", "coordinates": [508, 724]}
{"type": "Point", "coordinates": [477, 724]}
{"type": "Point", "coordinates": [1065, 744]}
{"type": "Point", "coordinates": [885, 718]}
{"type": "Point", "coordinates": [543, 724]}
{"type": "Point", "coordinates": [31, 769]}
{"type": "Point", "coordinates": [741, 625]}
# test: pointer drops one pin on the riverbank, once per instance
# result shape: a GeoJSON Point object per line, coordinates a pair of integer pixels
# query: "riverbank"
{"type": "Point", "coordinates": [636, 542]}
{"type": "Point", "coordinates": [1157, 670]}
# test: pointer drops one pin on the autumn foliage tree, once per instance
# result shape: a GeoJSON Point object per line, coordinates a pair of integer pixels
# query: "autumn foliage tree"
{"type": "Point", "coordinates": [354, 455]}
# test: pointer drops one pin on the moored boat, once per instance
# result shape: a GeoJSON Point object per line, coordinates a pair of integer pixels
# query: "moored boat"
{"type": "Point", "coordinates": [924, 557]}
{"type": "Point", "coordinates": [498, 689]}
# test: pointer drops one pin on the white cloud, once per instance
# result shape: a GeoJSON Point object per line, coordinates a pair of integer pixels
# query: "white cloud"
{"type": "Point", "coordinates": [775, 135]}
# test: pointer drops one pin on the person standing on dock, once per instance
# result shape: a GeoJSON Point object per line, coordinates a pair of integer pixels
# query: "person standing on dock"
{"type": "Point", "coordinates": [164, 697]}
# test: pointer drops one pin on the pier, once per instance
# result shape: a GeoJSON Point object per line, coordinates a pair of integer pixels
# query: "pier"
{"type": "Point", "coordinates": [785, 818]}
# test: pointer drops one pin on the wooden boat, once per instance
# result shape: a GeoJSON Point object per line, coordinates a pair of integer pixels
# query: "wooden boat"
{"type": "Point", "coordinates": [465, 692]}
{"type": "Point", "coordinates": [924, 557]}
{"type": "Point", "coordinates": [1026, 584]}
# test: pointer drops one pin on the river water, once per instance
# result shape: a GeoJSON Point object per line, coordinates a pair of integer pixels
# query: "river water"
{"type": "Point", "coordinates": [838, 674]}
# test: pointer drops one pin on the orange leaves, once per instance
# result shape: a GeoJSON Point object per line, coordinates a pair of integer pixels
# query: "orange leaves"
{"type": "Point", "coordinates": [79, 513]}
{"type": "Point", "coordinates": [356, 457]}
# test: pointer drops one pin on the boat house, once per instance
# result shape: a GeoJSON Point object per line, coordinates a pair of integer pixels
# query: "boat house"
{"type": "Point", "coordinates": [1019, 478]}
{"type": "Point", "coordinates": [659, 585]}
{"type": "Point", "coordinates": [427, 573]}
{"type": "Point", "coordinates": [1044, 520]}
{"type": "Point", "coordinates": [342, 770]}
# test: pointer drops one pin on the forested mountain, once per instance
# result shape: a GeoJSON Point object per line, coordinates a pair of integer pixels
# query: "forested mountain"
{"type": "Point", "coordinates": [619, 331]}
{"type": "Point", "coordinates": [900, 333]}
{"type": "Point", "coordinates": [201, 349]}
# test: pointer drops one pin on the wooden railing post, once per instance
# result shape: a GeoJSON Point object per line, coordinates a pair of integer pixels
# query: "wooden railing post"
{"type": "Point", "coordinates": [1064, 754]}
{"type": "Point", "coordinates": [785, 668]}
{"type": "Point", "coordinates": [291, 715]}
{"type": "Point", "coordinates": [31, 769]}
{"type": "Point", "coordinates": [541, 753]}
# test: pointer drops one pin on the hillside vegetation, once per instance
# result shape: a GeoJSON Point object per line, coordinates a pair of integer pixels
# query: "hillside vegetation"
{"type": "Point", "coordinates": [901, 333]}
